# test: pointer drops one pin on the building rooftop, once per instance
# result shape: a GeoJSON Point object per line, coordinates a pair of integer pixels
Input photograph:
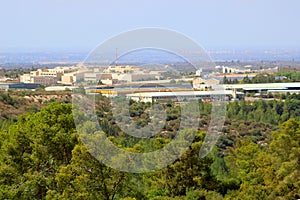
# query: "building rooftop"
{"type": "Point", "coordinates": [263, 86]}
{"type": "Point", "coordinates": [180, 94]}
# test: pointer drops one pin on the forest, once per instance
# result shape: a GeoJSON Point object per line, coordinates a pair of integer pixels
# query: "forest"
{"type": "Point", "coordinates": [256, 157]}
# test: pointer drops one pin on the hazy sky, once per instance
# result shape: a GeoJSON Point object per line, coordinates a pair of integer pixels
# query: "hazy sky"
{"type": "Point", "coordinates": [82, 24]}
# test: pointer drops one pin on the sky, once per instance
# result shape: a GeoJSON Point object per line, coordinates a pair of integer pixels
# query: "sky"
{"type": "Point", "coordinates": [83, 24]}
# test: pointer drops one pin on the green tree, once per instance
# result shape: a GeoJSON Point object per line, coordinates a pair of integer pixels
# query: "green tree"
{"type": "Point", "coordinates": [34, 149]}
{"type": "Point", "coordinates": [87, 178]}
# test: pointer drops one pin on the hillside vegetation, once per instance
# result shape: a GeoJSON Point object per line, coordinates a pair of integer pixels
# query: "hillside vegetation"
{"type": "Point", "coordinates": [257, 156]}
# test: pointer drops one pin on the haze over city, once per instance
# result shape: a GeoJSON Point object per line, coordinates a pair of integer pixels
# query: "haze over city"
{"type": "Point", "coordinates": [81, 25]}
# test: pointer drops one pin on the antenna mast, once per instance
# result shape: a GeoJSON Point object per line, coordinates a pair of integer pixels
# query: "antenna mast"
{"type": "Point", "coordinates": [116, 57]}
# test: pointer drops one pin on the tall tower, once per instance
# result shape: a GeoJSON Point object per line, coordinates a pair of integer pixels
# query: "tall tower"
{"type": "Point", "coordinates": [116, 62]}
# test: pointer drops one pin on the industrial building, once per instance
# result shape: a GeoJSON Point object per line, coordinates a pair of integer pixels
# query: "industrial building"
{"type": "Point", "coordinates": [265, 87]}
{"type": "Point", "coordinates": [222, 95]}
{"type": "Point", "coordinates": [19, 86]}
{"type": "Point", "coordinates": [155, 93]}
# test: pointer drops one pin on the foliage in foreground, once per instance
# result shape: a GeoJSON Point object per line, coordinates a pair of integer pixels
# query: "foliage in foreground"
{"type": "Point", "coordinates": [41, 157]}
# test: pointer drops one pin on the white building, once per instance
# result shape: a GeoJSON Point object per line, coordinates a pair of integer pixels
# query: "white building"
{"type": "Point", "coordinates": [65, 75]}
{"type": "Point", "coordinates": [234, 70]}
{"type": "Point", "coordinates": [182, 96]}
{"type": "Point", "coordinates": [199, 72]}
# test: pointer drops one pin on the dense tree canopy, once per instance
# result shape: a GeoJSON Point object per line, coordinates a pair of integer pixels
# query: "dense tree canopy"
{"type": "Point", "coordinates": [256, 157]}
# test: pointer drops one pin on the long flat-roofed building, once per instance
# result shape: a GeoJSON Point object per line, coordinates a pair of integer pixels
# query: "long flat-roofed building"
{"type": "Point", "coordinates": [184, 96]}
{"type": "Point", "coordinates": [264, 86]}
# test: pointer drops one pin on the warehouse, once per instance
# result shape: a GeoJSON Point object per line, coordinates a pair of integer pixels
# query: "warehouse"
{"type": "Point", "coordinates": [184, 96]}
